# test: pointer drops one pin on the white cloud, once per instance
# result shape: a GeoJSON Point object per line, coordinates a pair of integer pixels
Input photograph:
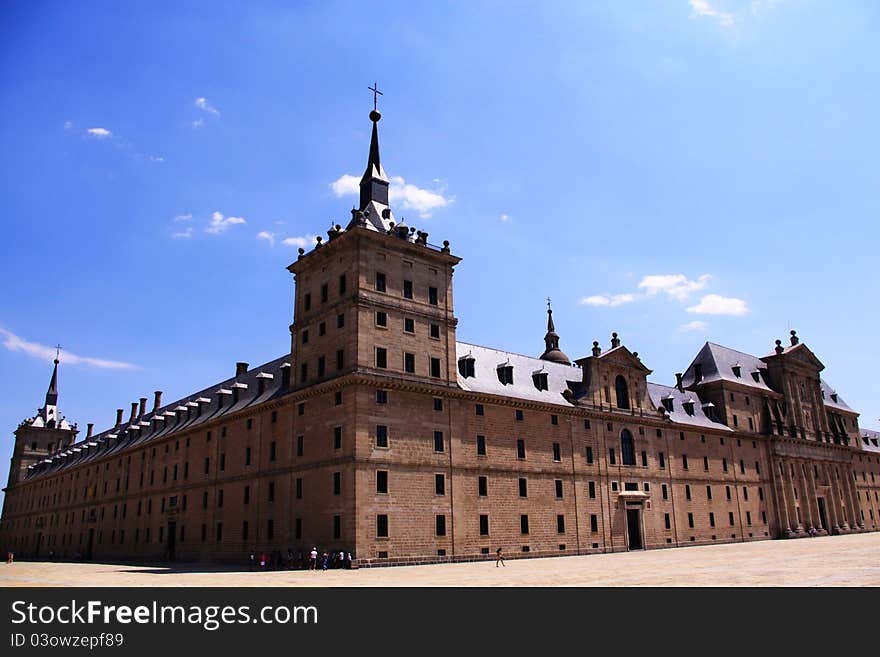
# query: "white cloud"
{"type": "Point", "coordinates": [400, 193]}
{"type": "Point", "coordinates": [696, 325]}
{"type": "Point", "coordinates": [703, 8]}
{"type": "Point", "coordinates": [186, 233]}
{"type": "Point", "coordinates": [68, 125]}
{"type": "Point", "coordinates": [304, 241]}
{"type": "Point", "coordinates": [713, 304]}
{"type": "Point", "coordinates": [676, 286]}
{"type": "Point", "coordinates": [220, 224]}
{"type": "Point", "coordinates": [346, 185]}
{"type": "Point", "coordinates": [155, 158]}
{"type": "Point", "coordinates": [14, 343]}
{"type": "Point", "coordinates": [504, 217]}
{"type": "Point", "coordinates": [198, 123]}
{"type": "Point", "coordinates": [266, 235]}
{"type": "Point", "coordinates": [612, 300]}
{"type": "Point", "coordinates": [203, 104]}
{"type": "Point", "coordinates": [183, 217]}
{"type": "Point", "coordinates": [100, 133]}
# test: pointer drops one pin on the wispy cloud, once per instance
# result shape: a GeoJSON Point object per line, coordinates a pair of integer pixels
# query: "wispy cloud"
{"type": "Point", "coordinates": [220, 224]}
{"type": "Point", "coordinates": [402, 194]}
{"type": "Point", "coordinates": [605, 300]}
{"type": "Point", "coordinates": [713, 304]}
{"type": "Point", "coordinates": [109, 137]}
{"type": "Point", "coordinates": [305, 241]}
{"type": "Point", "coordinates": [677, 286]}
{"type": "Point", "coordinates": [183, 217]}
{"type": "Point", "coordinates": [503, 217]}
{"type": "Point", "coordinates": [198, 123]}
{"type": "Point", "coordinates": [267, 236]}
{"type": "Point", "coordinates": [12, 342]}
{"type": "Point", "coordinates": [203, 104]}
{"type": "Point", "coordinates": [703, 8]}
{"type": "Point", "coordinates": [184, 234]}
{"type": "Point", "coordinates": [696, 325]}
{"type": "Point", "coordinates": [100, 133]}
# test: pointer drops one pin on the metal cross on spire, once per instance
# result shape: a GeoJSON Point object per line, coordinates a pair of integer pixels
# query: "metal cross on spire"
{"type": "Point", "coordinates": [376, 94]}
{"type": "Point", "coordinates": [57, 351]}
{"type": "Point", "coordinates": [548, 303]}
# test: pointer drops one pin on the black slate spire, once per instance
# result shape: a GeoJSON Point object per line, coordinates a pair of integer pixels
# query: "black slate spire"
{"type": "Point", "coordinates": [374, 183]}
{"type": "Point", "coordinates": [52, 393]}
{"type": "Point", "coordinates": [551, 342]}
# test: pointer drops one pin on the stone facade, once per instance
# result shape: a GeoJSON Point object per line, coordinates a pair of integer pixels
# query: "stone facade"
{"type": "Point", "coordinates": [381, 435]}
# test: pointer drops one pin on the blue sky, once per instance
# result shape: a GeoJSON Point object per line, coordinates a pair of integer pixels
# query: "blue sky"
{"type": "Point", "coordinates": [676, 171]}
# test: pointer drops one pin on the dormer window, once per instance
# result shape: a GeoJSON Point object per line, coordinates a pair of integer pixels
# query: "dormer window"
{"type": "Point", "coordinates": [668, 403]}
{"type": "Point", "coordinates": [540, 380]}
{"type": "Point", "coordinates": [709, 411]}
{"type": "Point", "coordinates": [505, 374]}
{"type": "Point", "coordinates": [737, 370]}
{"type": "Point", "coordinates": [466, 366]}
{"type": "Point", "coordinates": [834, 397]}
{"type": "Point", "coordinates": [756, 375]}
{"type": "Point", "coordinates": [688, 405]}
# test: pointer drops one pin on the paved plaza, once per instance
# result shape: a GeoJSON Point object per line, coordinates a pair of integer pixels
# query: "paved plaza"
{"type": "Point", "coordinates": [826, 561]}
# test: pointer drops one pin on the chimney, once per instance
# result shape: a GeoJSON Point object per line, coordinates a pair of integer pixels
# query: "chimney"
{"type": "Point", "coordinates": [134, 411]}
{"type": "Point", "coordinates": [678, 383]}
{"type": "Point", "coordinates": [90, 426]}
{"type": "Point", "coordinates": [596, 348]}
{"type": "Point", "coordinates": [794, 338]}
{"type": "Point", "coordinates": [240, 368]}
{"type": "Point", "coordinates": [157, 400]}
{"type": "Point", "coordinates": [143, 406]}
{"type": "Point", "coordinates": [615, 341]}
{"type": "Point", "coordinates": [119, 413]}
{"type": "Point", "coordinates": [698, 372]}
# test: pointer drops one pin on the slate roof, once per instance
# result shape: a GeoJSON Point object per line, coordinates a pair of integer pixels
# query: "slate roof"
{"type": "Point", "coordinates": [679, 414]}
{"type": "Point", "coordinates": [827, 391]}
{"type": "Point", "coordinates": [871, 441]}
{"type": "Point", "coordinates": [718, 363]}
{"type": "Point", "coordinates": [185, 413]}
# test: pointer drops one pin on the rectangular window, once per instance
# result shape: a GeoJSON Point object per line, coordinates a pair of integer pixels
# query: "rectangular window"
{"type": "Point", "coordinates": [664, 492]}
{"type": "Point", "coordinates": [560, 524]}
{"type": "Point", "coordinates": [304, 372]}
{"type": "Point", "coordinates": [708, 492]}
{"type": "Point", "coordinates": [298, 528]}
{"type": "Point", "coordinates": [381, 358]}
{"type": "Point", "coordinates": [409, 326]}
{"type": "Point", "coordinates": [270, 529]}
{"type": "Point", "coordinates": [409, 362]}
{"type": "Point", "coordinates": [440, 525]}
{"type": "Point", "coordinates": [523, 487]}
{"type": "Point", "coordinates": [518, 414]}
{"type": "Point", "coordinates": [478, 409]}
{"type": "Point", "coordinates": [557, 452]}
{"type": "Point", "coordinates": [645, 459]}
{"type": "Point", "coordinates": [711, 519]}
{"type": "Point", "coordinates": [299, 488]}
{"type": "Point", "coordinates": [520, 449]}
{"type": "Point", "coordinates": [724, 464]}
{"type": "Point", "coordinates": [484, 525]}
{"type": "Point", "coordinates": [438, 404]}
{"type": "Point", "coordinates": [524, 524]}
{"type": "Point", "coordinates": [589, 454]}
{"type": "Point", "coordinates": [219, 531]}
{"type": "Point", "coordinates": [432, 296]}
{"type": "Point", "coordinates": [435, 331]}
{"type": "Point", "coordinates": [381, 319]}
{"type": "Point", "coordinates": [691, 520]}
{"type": "Point", "coordinates": [407, 290]}
{"type": "Point", "coordinates": [340, 321]}
{"type": "Point", "coordinates": [662, 459]}
{"type": "Point", "coordinates": [482, 486]}
{"type": "Point", "coordinates": [342, 284]}
{"type": "Point", "coordinates": [481, 445]}
{"type": "Point", "coordinates": [684, 462]}
{"type": "Point", "coordinates": [340, 359]}
{"type": "Point", "coordinates": [307, 301]}
{"type": "Point", "coordinates": [727, 491]}
{"type": "Point", "coordinates": [439, 484]}
{"type": "Point", "coordinates": [666, 521]}
{"type": "Point", "coordinates": [730, 517]}
{"type": "Point", "coordinates": [322, 329]}
{"type": "Point", "coordinates": [438, 441]}
{"type": "Point", "coordinates": [324, 293]}
{"type": "Point", "coordinates": [247, 494]}
{"type": "Point", "coordinates": [435, 367]}
{"type": "Point", "coordinates": [337, 483]}
{"type": "Point", "coordinates": [381, 435]}
{"type": "Point", "coordinates": [594, 523]}
{"type": "Point", "coordinates": [742, 467]}
{"type": "Point", "coordinates": [554, 419]}
{"type": "Point", "coordinates": [611, 458]}
{"type": "Point", "coordinates": [687, 492]}
{"type": "Point", "coordinates": [337, 437]}
{"type": "Point", "coordinates": [591, 489]}
{"type": "Point", "coordinates": [380, 281]}
{"type": "Point", "coordinates": [382, 525]}
{"type": "Point", "coordinates": [271, 492]}
{"type": "Point", "coordinates": [247, 455]}
{"type": "Point", "coordinates": [558, 485]}
{"type": "Point", "coordinates": [381, 481]}
{"type": "Point", "coordinates": [381, 396]}
{"type": "Point", "coordinates": [299, 445]}
{"type": "Point", "coordinates": [305, 336]}
{"type": "Point", "coordinates": [706, 463]}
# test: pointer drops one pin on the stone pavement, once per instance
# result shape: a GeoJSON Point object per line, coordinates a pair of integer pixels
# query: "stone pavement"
{"type": "Point", "coordinates": [826, 561]}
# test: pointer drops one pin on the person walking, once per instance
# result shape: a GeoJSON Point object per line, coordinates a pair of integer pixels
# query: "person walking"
{"type": "Point", "coordinates": [324, 559]}
{"type": "Point", "coordinates": [499, 558]}
{"type": "Point", "coordinates": [313, 558]}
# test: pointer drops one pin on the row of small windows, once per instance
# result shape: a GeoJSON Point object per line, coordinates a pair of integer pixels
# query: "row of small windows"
{"type": "Point", "coordinates": [322, 328]}
{"type": "Point", "coordinates": [322, 366]}
{"type": "Point", "coordinates": [407, 288]}
{"type": "Point", "coordinates": [409, 362]}
{"type": "Point", "coordinates": [325, 292]}
{"type": "Point", "coordinates": [382, 530]}
{"type": "Point", "coordinates": [409, 325]}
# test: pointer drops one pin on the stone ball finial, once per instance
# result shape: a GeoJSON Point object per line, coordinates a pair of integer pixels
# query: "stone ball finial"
{"type": "Point", "coordinates": [446, 243]}
{"type": "Point", "coordinates": [793, 332]}
{"type": "Point", "coordinates": [391, 224]}
{"type": "Point", "coordinates": [375, 116]}
{"type": "Point", "coordinates": [301, 250]}
{"type": "Point", "coordinates": [778, 342]}
{"type": "Point", "coordinates": [338, 227]}
{"type": "Point", "coordinates": [595, 343]}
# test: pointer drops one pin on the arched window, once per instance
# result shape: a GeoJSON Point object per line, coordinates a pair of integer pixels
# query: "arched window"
{"type": "Point", "coordinates": [622, 392]}
{"type": "Point", "coordinates": [627, 450]}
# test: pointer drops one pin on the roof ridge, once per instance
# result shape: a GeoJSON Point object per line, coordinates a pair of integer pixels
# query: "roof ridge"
{"type": "Point", "coordinates": [514, 353]}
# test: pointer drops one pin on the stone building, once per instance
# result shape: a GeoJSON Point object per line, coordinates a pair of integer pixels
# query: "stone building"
{"type": "Point", "coordinates": [382, 435]}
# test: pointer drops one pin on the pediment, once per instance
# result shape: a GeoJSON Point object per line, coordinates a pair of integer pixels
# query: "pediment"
{"type": "Point", "coordinates": [623, 357]}
{"type": "Point", "coordinates": [802, 354]}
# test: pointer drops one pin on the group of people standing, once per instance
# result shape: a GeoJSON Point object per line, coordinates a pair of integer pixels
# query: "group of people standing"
{"type": "Point", "coordinates": [313, 560]}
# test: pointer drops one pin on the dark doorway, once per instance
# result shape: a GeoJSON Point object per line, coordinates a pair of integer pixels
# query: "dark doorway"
{"type": "Point", "coordinates": [172, 537]}
{"type": "Point", "coordinates": [822, 517]}
{"type": "Point", "coordinates": [634, 528]}
{"type": "Point", "coordinates": [90, 545]}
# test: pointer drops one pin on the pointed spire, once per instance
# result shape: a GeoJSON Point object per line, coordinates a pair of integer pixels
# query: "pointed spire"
{"type": "Point", "coordinates": [551, 341]}
{"type": "Point", "coordinates": [52, 392]}
{"type": "Point", "coordinates": [374, 183]}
